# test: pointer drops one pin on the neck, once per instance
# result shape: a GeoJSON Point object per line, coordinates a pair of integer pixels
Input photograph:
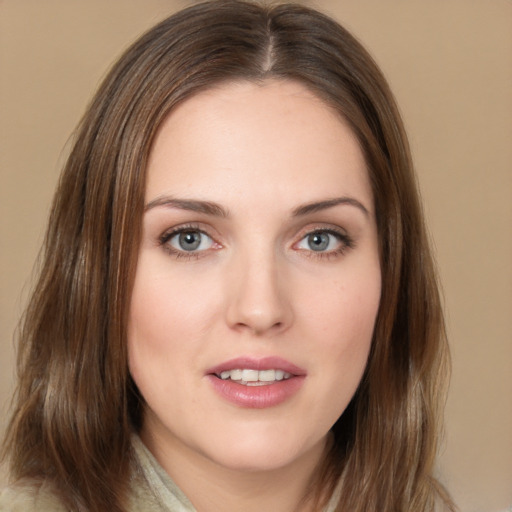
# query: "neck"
{"type": "Point", "coordinates": [214, 488]}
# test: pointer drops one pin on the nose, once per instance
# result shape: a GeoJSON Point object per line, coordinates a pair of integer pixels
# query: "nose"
{"type": "Point", "coordinates": [259, 296]}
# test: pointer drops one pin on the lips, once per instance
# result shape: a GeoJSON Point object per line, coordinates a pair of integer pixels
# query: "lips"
{"type": "Point", "coordinates": [266, 363]}
{"type": "Point", "coordinates": [256, 383]}
{"type": "Point", "coordinates": [248, 377]}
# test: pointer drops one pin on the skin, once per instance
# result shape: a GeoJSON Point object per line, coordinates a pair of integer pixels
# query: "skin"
{"type": "Point", "coordinates": [254, 287]}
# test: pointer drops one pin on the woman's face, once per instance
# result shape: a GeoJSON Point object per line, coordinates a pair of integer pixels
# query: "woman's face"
{"type": "Point", "coordinates": [258, 277]}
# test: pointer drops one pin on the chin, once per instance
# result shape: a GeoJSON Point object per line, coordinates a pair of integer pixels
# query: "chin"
{"type": "Point", "coordinates": [262, 453]}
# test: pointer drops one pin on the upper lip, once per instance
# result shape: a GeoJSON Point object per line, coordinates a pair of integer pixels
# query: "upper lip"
{"type": "Point", "coordinates": [255, 363]}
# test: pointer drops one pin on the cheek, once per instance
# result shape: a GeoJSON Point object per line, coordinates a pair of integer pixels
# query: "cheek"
{"type": "Point", "coordinates": [165, 306]}
{"type": "Point", "coordinates": [341, 320]}
{"type": "Point", "coordinates": [345, 308]}
{"type": "Point", "coordinates": [166, 320]}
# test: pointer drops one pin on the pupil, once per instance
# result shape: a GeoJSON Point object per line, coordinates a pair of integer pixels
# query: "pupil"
{"type": "Point", "coordinates": [318, 241]}
{"type": "Point", "coordinates": [190, 241]}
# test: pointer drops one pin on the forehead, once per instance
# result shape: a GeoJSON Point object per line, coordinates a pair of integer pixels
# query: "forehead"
{"type": "Point", "coordinates": [271, 140]}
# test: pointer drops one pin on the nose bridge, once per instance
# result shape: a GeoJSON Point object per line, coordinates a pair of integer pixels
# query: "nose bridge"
{"type": "Point", "coordinates": [259, 300]}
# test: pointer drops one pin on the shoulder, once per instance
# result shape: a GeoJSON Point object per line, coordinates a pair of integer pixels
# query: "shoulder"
{"type": "Point", "coordinates": [30, 497]}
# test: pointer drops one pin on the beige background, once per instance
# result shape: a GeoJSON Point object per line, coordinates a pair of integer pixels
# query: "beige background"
{"type": "Point", "coordinates": [450, 65]}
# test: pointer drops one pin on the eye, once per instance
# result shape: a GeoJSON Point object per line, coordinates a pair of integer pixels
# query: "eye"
{"type": "Point", "coordinates": [188, 240]}
{"type": "Point", "coordinates": [325, 241]}
{"type": "Point", "coordinates": [319, 241]}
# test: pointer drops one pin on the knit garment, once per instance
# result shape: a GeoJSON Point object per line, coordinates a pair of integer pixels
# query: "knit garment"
{"type": "Point", "coordinates": [152, 490]}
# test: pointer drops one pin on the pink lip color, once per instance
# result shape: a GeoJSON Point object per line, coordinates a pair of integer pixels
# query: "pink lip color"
{"type": "Point", "coordinates": [252, 363]}
{"type": "Point", "coordinates": [257, 397]}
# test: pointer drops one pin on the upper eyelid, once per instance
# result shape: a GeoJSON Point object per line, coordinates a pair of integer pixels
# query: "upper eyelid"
{"type": "Point", "coordinates": [321, 226]}
{"type": "Point", "coordinates": [164, 242]}
{"type": "Point", "coordinates": [338, 233]}
{"type": "Point", "coordinates": [296, 235]}
{"type": "Point", "coordinates": [187, 227]}
{"type": "Point", "coordinates": [343, 235]}
{"type": "Point", "coordinates": [171, 233]}
{"type": "Point", "coordinates": [212, 232]}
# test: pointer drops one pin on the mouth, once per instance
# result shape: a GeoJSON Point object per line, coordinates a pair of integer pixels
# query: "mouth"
{"type": "Point", "coordinates": [256, 383]}
{"type": "Point", "coordinates": [249, 377]}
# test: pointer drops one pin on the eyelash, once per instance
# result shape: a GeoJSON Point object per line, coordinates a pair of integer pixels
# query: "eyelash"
{"type": "Point", "coordinates": [185, 255]}
{"type": "Point", "coordinates": [346, 243]}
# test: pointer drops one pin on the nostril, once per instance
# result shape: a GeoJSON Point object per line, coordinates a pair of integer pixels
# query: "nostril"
{"type": "Point", "coordinates": [259, 327]}
{"type": "Point", "coordinates": [258, 310]}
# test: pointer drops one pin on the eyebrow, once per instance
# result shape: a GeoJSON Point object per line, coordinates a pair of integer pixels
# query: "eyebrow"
{"type": "Point", "coordinates": [214, 209]}
{"type": "Point", "coordinates": [193, 205]}
{"type": "Point", "coordinates": [329, 203]}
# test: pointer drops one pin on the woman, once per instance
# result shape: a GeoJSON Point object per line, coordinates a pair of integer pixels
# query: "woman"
{"type": "Point", "coordinates": [237, 306]}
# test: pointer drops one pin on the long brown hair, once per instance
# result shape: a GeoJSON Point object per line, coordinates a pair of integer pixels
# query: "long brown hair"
{"type": "Point", "coordinates": [76, 405]}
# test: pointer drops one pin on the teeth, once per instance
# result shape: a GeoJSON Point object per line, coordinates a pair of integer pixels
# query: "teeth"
{"type": "Point", "coordinates": [254, 377]}
{"type": "Point", "coordinates": [267, 375]}
{"type": "Point", "coordinates": [236, 374]}
{"type": "Point", "coordinates": [250, 375]}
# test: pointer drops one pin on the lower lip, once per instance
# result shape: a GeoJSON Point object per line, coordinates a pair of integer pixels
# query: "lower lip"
{"type": "Point", "coordinates": [257, 397]}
